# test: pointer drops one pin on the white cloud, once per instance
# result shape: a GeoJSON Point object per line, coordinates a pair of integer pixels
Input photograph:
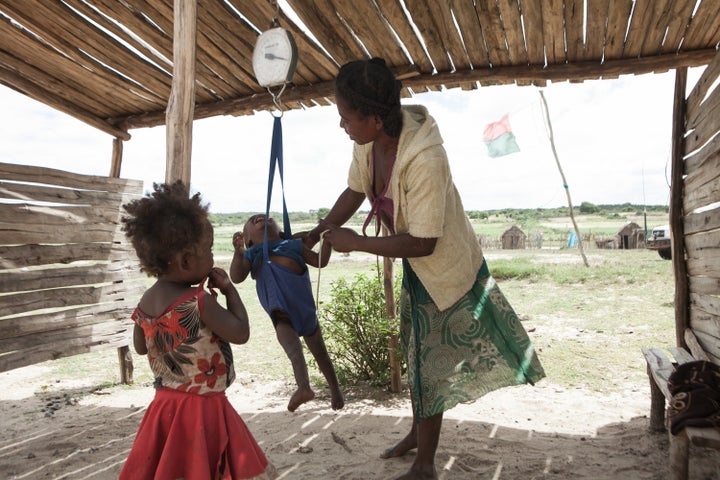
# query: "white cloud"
{"type": "Point", "coordinates": [612, 138]}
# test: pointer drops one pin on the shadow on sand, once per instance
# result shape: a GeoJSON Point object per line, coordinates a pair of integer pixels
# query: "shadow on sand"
{"type": "Point", "coordinates": [61, 438]}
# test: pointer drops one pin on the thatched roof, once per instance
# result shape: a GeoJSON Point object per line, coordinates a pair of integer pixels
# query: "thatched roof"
{"type": "Point", "coordinates": [630, 228]}
{"type": "Point", "coordinates": [109, 62]}
{"type": "Point", "coordinates": [514, 230]}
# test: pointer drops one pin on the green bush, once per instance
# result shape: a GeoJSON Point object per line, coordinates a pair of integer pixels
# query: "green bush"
{"type": "Point", "coordinates": [516, 269]}
{"type": "Point", "coordinates": [357, 330]}
{"type": "Point", "coordinates": [587, 207]}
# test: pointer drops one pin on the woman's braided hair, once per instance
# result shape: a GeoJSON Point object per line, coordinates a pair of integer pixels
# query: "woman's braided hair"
{"type": "Point", "coordinates": [370, 87]}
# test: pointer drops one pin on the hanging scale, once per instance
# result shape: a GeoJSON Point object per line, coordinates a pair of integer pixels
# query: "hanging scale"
{"type": "Point", "coordinates": [275, 58]}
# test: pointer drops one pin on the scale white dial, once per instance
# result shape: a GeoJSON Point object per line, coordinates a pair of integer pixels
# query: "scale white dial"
{"type": "Point", "coordinates": [274, 57]}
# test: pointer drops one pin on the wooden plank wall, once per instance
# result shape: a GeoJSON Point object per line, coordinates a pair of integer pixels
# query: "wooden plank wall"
{"type": "Point", "coordinates": [68, 277]}
{"type": "Point", "coordinates": [701, 208]}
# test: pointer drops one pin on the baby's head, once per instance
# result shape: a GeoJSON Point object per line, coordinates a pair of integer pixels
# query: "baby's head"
{"type": "Point", "coordinates": [254, 230]}
{"type": "Point", "coordinates": [164, 223]}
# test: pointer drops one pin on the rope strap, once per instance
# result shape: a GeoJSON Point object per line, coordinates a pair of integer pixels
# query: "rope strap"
{"type": "Point", "coordinates": [276, 158]}
{"type": "Point", "coordinates": [317, 291]}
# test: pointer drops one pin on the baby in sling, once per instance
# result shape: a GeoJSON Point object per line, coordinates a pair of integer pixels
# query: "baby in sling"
{"type": "Point", "coordinates": [282, 280]}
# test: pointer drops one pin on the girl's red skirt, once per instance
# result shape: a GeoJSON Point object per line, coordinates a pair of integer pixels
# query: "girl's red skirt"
{"type": "Point", "coordinates": [194, 437]}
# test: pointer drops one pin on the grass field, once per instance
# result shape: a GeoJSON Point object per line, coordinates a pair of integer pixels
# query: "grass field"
{"type": "Point", "coordinates": [555, 229]}
{"type": "Point", "coordinates": [587, 323]}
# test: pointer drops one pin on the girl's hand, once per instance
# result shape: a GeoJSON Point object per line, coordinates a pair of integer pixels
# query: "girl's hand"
{"type": "Point", "coordinates": [219, 279]}
{"type": "Point", "coordinates": [238, 241]}
{"type": "Point", "coordinates": [342, 239]}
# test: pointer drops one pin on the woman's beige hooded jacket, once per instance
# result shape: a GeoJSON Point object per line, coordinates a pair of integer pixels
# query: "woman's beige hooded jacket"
{"type": "Point", "coordinates": [426, 205]}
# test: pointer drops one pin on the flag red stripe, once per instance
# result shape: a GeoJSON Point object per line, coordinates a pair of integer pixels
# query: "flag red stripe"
{"type": "Point", "coordinates": [495, 129]}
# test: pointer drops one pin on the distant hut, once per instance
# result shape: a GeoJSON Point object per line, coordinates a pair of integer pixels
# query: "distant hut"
{"type": "Point", "coordinates": [630, 236]}
{"type": "Point", "coordinates": [513, 238]}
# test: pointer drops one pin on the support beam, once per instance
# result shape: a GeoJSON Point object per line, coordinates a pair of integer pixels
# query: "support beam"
{"type": "Point", "coordinates": [116, 162]}
{"type": "Point", "coordinates": [21, 85]}
{"type": "Point", "coordinates": [390, 308]}
{"type": "Point", "coordinates": [526, 74]}
{"type": "Point", "coordinates": [682, 297]}
{"type": "Point", "coordinates": [126, 365]}
{"type": "Point", "coordinates": [181, 105]}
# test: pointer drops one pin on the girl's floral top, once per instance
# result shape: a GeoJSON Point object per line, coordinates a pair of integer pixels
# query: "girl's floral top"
{"type": "Point", "coordinates": [185, 354]}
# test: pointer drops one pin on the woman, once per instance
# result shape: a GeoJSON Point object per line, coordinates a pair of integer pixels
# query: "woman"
{"type": "Point", "coordinates": [460, 337]}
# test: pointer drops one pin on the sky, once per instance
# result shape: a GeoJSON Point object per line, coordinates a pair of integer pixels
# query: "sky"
{"type": "Point", "coordinates": [613, 140]}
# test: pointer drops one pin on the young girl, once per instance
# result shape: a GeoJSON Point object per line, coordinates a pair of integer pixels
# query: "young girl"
{"type": "Point", "coordinates": [286, 295]}
{"type": "Point", "coordinates": [190, 430]}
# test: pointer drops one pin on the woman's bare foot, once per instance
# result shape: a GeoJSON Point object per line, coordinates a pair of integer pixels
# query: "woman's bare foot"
{"type": "Point", "coordinates": [337, 400]}
{"type": "Point", "coordinates": [403, 446]}
{"type": "Point", "coordinates": [301, 395]}
{"type": "Point", "coordinates": [417, 472]}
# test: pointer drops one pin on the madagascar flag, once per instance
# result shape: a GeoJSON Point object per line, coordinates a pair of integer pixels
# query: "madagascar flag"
{"type": "Point", "coordinates": [499, 138]}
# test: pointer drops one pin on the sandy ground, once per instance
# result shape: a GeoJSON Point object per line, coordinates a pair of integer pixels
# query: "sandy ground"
{"type": "Point", "coordinates": [59, 428]}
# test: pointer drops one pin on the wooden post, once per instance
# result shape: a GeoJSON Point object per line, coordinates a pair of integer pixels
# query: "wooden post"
{"type": "Point", "coordinates": [677, 232]}
{"type": "Point", "coordinates": [116, 161]}
{"type": "Point", "coordinates": [562, 175]}
{"type": "Point", "coordinates": [126, 365]}
{"type": "Point", "coordinates": [181, 105]}
{"type": "Point", "coordinates": [657, 405]}
{"type": "Point", "coordinates": [389, 285]}
{"type": "Point", "coordinates": [124, 356]}
{"type": "Point", "coordinates": [679, 451]}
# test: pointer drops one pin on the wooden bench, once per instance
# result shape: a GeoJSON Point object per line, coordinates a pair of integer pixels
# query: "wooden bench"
{"type": "Point", "coordinates": [659, 370]}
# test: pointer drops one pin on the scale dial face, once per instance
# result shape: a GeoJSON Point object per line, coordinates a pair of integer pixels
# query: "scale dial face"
{"type": "Point", "coordinates": [274, 57]}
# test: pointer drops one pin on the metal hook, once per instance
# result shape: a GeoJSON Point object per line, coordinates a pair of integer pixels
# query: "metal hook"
{"type": "Point", "coordinates": [276, 18]}
{"type": "Point", "coordinates": [276, 99]}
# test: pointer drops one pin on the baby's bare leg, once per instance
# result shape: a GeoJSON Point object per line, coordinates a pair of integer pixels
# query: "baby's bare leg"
{"type": "Point", "coordinates": [316, 345]}
{"type": "Point", "coordinates": [290, 342]}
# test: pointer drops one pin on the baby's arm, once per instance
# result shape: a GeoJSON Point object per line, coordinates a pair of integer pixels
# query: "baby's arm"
{"type": "Point", "coordinates": [240, 266]}
{"type": "Point", "coordinates": [230, 324]}
{"type": "Point", "coordinates": [139, 340]}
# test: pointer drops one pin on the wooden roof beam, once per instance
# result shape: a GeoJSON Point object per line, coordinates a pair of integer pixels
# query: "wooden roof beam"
{"type": "Point", "coordinates": [498, 75]}
{"type": "Point", "coordinates": [576, 71]}
{"type": "Point", "coordinates": [20, 84]}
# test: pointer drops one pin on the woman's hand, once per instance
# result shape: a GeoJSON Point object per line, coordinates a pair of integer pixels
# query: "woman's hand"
{"type": "Point", "coordinates": [312, 237]}
{"type": "Point", "coordinates": [342, 239]}
{"type": "Point", "coordinates": [307, 238]}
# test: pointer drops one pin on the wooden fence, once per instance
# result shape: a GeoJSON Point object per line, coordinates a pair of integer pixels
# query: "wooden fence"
{"type": "Point", "coordinates": [560, 241]}
{"type": "Point", "coordinates": [701, 209]}
{"type": "Point", "coordinates": [68, 277]}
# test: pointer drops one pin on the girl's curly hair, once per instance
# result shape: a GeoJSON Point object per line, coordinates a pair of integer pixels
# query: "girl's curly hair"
{"type": "Point", "coordinates": [163, 223]}
{"type": "Point", "coordinates": [371, 88]}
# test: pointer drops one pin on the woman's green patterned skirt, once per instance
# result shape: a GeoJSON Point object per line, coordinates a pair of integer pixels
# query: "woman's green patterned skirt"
{"type": "Point", "coordinates": [457, 355]}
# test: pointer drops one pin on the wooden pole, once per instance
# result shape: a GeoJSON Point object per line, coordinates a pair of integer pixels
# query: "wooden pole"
{"type": "Point", "coordinates": [116, 161]}
{"type": "Point", "coordinates": [125, 359]}
{"type": "Point", "coordinates": [677, 232]}
{"type": "Point", "coordinates": [126, 364]}
{"type": "Point", "coordinates": [562, 174]}
{"type": "Point", "coordinates": [389, 283]}
{"type": "Point", "coordinates": [181, 105]}
{"type": "Point", "coordinates": [31, 89]}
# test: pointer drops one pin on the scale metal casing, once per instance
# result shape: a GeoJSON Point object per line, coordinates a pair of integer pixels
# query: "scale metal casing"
{"type": "Point", "coordinates": [275, 57]}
